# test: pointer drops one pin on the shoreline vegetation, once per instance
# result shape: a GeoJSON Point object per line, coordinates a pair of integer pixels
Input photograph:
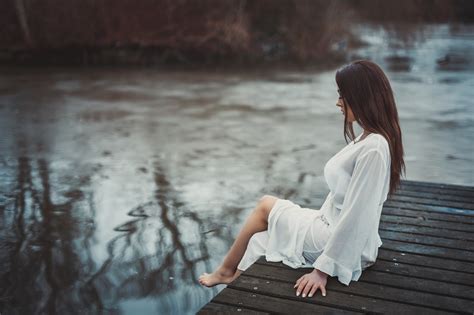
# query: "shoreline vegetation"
{"type": "Point", "coordinates": [191, 33]}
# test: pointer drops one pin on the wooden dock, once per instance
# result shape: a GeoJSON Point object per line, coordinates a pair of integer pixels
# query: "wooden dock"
{"type": "Point", "coordinates": [425, 265]}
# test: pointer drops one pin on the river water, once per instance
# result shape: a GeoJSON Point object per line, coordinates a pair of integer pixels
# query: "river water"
{"type": "Point", "coordinates": [119, 187]}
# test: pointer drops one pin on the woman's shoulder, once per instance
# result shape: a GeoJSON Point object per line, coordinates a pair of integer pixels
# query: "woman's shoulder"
{"type": "Point", "coordinates": [376, 143]}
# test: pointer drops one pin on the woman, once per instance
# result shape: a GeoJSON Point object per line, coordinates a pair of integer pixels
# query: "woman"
{"type": "Point", "coordinates": [340, 239]}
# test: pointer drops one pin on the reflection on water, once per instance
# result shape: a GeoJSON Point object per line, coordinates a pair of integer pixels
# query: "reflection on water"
{"type": "Point", "coordinates": [119, 187]}
{"type": "Point", "coordinates": [49, 241]}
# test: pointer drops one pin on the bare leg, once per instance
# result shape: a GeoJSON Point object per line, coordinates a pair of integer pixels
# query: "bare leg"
{"type": "Point", "coordinates": [256, 222]}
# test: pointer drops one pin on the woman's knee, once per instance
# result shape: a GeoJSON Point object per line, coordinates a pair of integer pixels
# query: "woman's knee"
{"type": "Point", "coordinates": [265, 204]}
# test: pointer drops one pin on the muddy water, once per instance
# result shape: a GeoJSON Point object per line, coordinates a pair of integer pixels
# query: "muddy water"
{"type": "Point", "coordinates": [120, 186]}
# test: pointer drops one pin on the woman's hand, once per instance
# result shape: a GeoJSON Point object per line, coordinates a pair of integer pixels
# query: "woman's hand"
{"type": "Point", "coordinates": [311, 282]}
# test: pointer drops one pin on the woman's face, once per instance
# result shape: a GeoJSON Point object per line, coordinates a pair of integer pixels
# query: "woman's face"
{"type": "Point", "coordinates": [350, 114]}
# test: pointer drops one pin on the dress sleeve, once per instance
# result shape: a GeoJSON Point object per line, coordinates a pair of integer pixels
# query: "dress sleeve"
{"type": "Point", "coordinates": [358, 219]}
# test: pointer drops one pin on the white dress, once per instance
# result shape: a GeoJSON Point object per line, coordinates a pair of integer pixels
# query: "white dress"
{"type": "Point", "coordinates": [341, 238]}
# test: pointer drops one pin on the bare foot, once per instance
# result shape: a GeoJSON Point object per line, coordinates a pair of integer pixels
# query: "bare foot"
{"type": "Point", "coordinates": [220, 276]}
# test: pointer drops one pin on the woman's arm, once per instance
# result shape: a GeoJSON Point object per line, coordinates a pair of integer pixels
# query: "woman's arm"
{"type": "Point", "coordinates": [358, 219]}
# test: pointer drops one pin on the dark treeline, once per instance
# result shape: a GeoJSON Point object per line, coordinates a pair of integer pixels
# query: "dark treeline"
{"type": "Point", "coordinates": [204, 31]}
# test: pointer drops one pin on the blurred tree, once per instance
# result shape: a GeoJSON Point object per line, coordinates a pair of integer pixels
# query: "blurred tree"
{"type": "Point", "coordinates": [189, 31]}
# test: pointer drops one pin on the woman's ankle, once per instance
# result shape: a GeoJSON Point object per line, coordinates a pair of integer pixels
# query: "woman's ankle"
{"type": "Point", "coordinates": [225, 271]}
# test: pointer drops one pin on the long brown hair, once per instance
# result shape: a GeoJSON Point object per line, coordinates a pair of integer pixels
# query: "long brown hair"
{"type": "Point", "coordinates": [365, 88]}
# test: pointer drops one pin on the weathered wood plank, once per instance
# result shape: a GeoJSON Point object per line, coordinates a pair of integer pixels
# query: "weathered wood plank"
{"type": "Point", "coordinates": [422, 221]}
{"type": "Point", "coordinates": [259, 275]}
{"type": "Point", "coordinates": [430, 215]}
{"type": "Point", "coordinates": [386, 263]}
{"type": "Point", "coordinates": [375, 276]}
{"type": "Point", "coordinates": [391, 251]}
{"type": "Point", "coordinates": [284, 290]}
{"type": "Point", "coordinates": [432, 202]}
{"type": "Point", "coordinates": [417, 284]}
{"type": "Point", "coordinates": [414, 183]}
{"type": "Point", "coordinates": [448, 193]}
{"type": "Point", "coordinates": [419, 206]}
{"type": "Point", "coordinates": [423, 272]}
{"type": "Point", "coordinates": [437, 196]}
{"type": "Point", "coordinates": [428, 250]}
{"type": "Point", "coordinates": [464, 248]}
{"type": "Point", "coordinates": [214, 308]}
{"type": "Point", "coordinates": [422, 230]}
{"type": "Point", "coordinates": [271, 301]}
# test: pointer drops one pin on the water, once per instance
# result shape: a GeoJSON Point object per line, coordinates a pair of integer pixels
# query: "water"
{"type": "Point", "coordinates": [121, 186]}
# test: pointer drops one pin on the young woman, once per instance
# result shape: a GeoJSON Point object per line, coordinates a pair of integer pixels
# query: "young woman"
{"type": "Point", "coordinates": [340, 239]}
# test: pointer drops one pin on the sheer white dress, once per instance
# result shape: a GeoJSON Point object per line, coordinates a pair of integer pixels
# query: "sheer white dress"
{"type": "Point", "coordinates": [341, 238]}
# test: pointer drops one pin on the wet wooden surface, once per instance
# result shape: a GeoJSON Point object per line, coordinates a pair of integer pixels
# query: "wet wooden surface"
{"type": "Point", "coordinates": [425, 265]}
